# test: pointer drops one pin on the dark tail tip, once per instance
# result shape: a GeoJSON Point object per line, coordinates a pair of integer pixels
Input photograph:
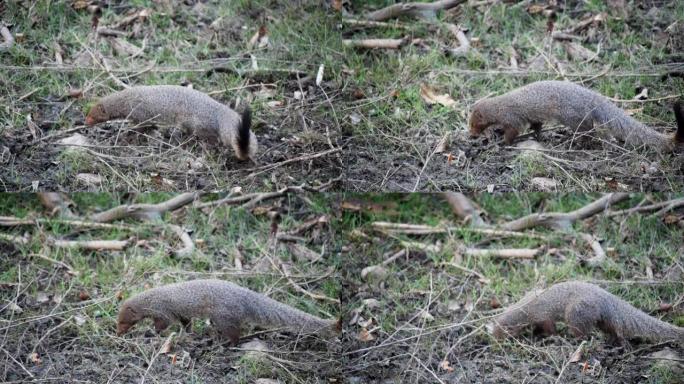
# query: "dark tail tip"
{"type": "Point", "coordinates": [679, 117]}
{"type": "Point", "coordinates": [243, 131]}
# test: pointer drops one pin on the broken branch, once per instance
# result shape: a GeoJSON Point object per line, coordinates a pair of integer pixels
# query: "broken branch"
{"type": "Point", "coordinates": [464, 209]}
{"type": "Point", "coordinates": [412, 9]}
{"type": "Point", "coordinates": [95, 245]}
{"type": "Point", "coordinates": [145, 211]}
{"type": "Point", "coordinates": [375, 43]}
{"type": "Point", "coordinates": [563, 221]}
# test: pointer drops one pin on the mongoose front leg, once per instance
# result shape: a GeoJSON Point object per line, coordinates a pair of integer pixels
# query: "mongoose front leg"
{"type": "Point", "coordinates": [161, 324]}
{"type": "Point", "coordinates": [547, 327]}
{"type": "Point", "coordinates": [228, 327]}
{"type": "Point", "coordinates": [510, 133]}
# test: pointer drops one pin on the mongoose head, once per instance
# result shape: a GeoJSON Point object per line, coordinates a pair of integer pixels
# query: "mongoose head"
{"type": "Point", "coordinates": [478, 119]}
{"type": "Point", "coordinates": [96, 115]}
{"type": "Point", "coordinates": [128, 317]}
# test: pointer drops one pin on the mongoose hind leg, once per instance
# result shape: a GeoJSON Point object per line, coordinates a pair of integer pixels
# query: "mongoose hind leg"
{"type": "Point", "coordinates": [536, 128]}
{"type": "Point", "coordinates": [228, 328]}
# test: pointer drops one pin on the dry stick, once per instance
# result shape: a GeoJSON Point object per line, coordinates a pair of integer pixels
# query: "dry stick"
{"type": "Point", "coordinates": [667, 205]}
{"type": "Point", "coordinates": [286, 273]}
{"type": "Point", "coordinates": [14, 239]}
{"type": "Point", "coordinates": [419, 229]}
{"type": "Point", "coordinates": [269, 167]}
{"type": "Point", "coordinates": [559, 220]}
{"type": "Point", "coordinates": [413, 9]}
{"type": "Point", "coordinates": [97, 245]}
{"type": "Point", "coordinates": [462, 40]}
{"type": "Point", "coordinates": [188, 244]}
{"type": "Point", "coordinates": [480, 276]}
{"type": "Point", "coordinates": [465, 209]}
{"type": "Point", "coordinates": [11, 221]}
{"type": "Point", "coordinates": [599, 253]}
{"type": "Point", "coordinates": [369, 23]}
{"type": "Point", "coordinates": [375, 43]}
{"type": "Point", "coordinates": [9, 41]}
{"type": "Point", "coordinates": [145, 211]}
{"type": "Point", "coordinates": [510, 253]}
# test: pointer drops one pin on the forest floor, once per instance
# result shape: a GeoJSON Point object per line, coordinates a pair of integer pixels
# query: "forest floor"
{"type": "Point", "coordinates": [417, 306]}
{"type": "Point", "coordinates": [58, 306]}
{"type": "Point", "coordinates": [56, 70]}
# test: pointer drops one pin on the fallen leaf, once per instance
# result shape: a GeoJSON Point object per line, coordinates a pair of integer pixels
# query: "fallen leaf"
{"type": "Point", "coordinates": [83, 295]}
{"type": "Point", "coordinates": [364, 335]}
{"type": "Point", "coordinates": [13, 307]}
{"type": "Point", "coordinates": [445, 366]}
{"type": "Point", "coordinates": [494, 303]}
{"type": "Point", "coordinates": [42, 298]}
{"type": "Point", "coordinates": [442, 145]}
{"type": "Point", "coordinates": [168, 344]}
{"type": "Point", "coordinates": [431, 97]}
{"type": "Point", "coordinates": [374, 272]}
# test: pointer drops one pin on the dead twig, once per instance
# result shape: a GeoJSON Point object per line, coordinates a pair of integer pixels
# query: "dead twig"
{"type": "Point", "coordinates": [21, 240]}
{"type": "Point", "coordinates": [510, 253]}
{"type": "Point", "coordinates": [563, 221]}
{"type": "Point", "coordinates": [11, 221]}
{"type": "Point", "coordinates": [370, 23]}
{"type": "Point", "coordinates": [465, 209]}
{"type": "Point", "coordinates": [662, 207]}
{"type": "Point", "coordinates": [420, 10]}
{"type": "Point", "coordinates": [599, 253]}
{"type": "Point", "coordinates": [258, 170]}
{"type": "Point", "coordinates": [188, 244]}
{"type": "Point", "coordinates": [145, 211]}
{"type": "Point", "coordinates": [286, 272]}
{"type": "Point", "coordinates": [95, 245]}
{"type": "Point", "coordinates": [464, 43]}
{"type": "Point", "coordinates": [375, 43]}
{"type": "Point", "coordinates": [420, 229]}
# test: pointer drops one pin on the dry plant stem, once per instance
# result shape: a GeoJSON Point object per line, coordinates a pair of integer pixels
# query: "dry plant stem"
{"type": "Point", "coordinates": [513, 253]}
{"type": "Point", "coordinates": [480, 276]}
{"type": "Point", "coordinates": [21, 240]}
{"type": "Point", "coordinates": [369, 23]}
{"type": "Point", "coordinates": [413, 9]}
{"type": "Point", "coordinates": [663, 207]}
{"type": "Point", "coordinates": [96, 245]}
{"type": "Point", "coordinates": [419, 229]}
{"type": "Point", "coordinates": [7, 36]}
{"type": "Point", "coordinates": [464, 43]}
{"type": "Point", "coordinates": [556, 220]}
{"type": "Point", "coordinates": [145, 211]}
{"type": "Point", "coordinates": [375, 43]}
{"type": "Point", "coordinates": [599, 253]}
{"type": "Point", "coordinates": [264, 168]}
{"type": "Point", "coordinates": [10, 221]}
{"type": "Point", "coordinates": [188, 244]}
{"type": "Point", "coordinates": [57, 204]}
{"type": "Point", "coordinates": [286, 272]}
{"type": "Point", "coordinates": [464, 209]}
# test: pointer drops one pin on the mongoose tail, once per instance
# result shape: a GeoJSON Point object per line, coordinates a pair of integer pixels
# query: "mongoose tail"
{"type": "Point", "coordinates": [679, 117]}
{"type": "Point", "coordinates": [583, 307]}
{"type": "Point", "coordinates": [227, 305]}
{"type": "Point", "coordinates": [571, 105]}
{"type": "Point", "coordinates": [246, 142]}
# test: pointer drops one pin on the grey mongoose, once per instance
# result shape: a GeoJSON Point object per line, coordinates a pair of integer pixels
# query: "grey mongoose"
{"type": "Point", "coordinates": [583, 306]}
{"type": "Point", "coordinates": [571, 105]}
{"type": "Point", "coordinates": [192, 110]}
{"type": "Point", "coordinates": [227, 305]}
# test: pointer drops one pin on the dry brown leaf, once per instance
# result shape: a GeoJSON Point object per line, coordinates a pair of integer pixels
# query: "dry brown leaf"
{"type": "Point", "coordinates": [431, 97]}
{"type": "Point", "coordinates": [365, 336]}
{"type": "Point", "coordinates": [166, 347]}
{"type": "Point", "coordinates": [445, 366]}
{"type": "Point", "coordinates": [34, 358]}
